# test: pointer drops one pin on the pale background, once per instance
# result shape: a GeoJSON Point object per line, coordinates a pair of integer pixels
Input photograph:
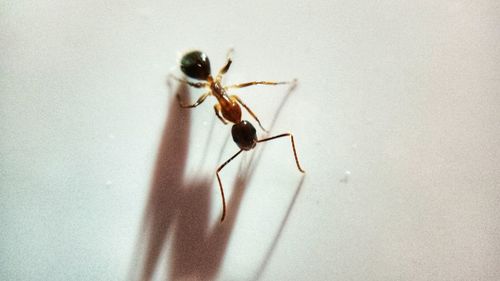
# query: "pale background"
{"type": "Point", "coordinates": [396, 118]}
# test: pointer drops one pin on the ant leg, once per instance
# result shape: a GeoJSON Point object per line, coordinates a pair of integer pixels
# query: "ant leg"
{"type": "Point", "coordinates": [293, 147]}
{"type": "Point", "coordinates": [217, 109]}
{"type": "Point", "coordinates": [198, 102]}
{"type": "Point", "coordinates": [237, 99]}
{"type": "Point", "coordinates": [220, 184]}
{"type": "Point", "coordinates": [243, 85]}
{"type": "Point", "coordinates": [192, 84]}
{"type": "Point", "coordinates": [225, 68]}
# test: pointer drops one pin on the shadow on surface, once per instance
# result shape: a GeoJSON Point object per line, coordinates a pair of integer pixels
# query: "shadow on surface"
{"type": "Point", "coordinates": [273, 245]}
{"type": "Point", "coordinates": [179, 206]}
{"type": "Point", "coordinates": [165, 192]}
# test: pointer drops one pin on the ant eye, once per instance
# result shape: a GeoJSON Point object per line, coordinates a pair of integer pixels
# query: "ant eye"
{"type": "Point", "coordinates": [196, 65]}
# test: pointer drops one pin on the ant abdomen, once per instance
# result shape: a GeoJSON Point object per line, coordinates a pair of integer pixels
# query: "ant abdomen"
{"type": "Point", "coordinates": [244, 135]}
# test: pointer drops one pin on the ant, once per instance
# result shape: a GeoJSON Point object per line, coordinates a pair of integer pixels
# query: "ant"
{"type": "Point", "coordinates": [196, 65]}
{"type": "Point", "coordinates": [245, 136]}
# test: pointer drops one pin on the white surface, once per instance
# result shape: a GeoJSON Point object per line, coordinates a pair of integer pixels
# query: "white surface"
{"type": "Point", "coordinates": [396, 119]}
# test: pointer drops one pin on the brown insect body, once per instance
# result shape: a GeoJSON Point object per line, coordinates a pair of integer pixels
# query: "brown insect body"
{"type": "Point", "coordinates": [227, 106]}
{"type": "Point", "coordinates": [196, 65]}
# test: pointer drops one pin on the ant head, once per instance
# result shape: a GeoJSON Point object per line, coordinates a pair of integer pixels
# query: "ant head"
{"type": "Point", "coordinates": [196, 65]}
{"type": "Point", "coordinates": [244, 135]}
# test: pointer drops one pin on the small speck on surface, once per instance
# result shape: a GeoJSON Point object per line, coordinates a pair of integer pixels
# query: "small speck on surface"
{"type": "Point", "coordinates": [346, 177]}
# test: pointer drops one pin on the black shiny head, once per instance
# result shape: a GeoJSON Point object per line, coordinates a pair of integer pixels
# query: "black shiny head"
{"type": "Point", "coordinates": [244, 135]}
{"type": "Point", "coordinates": [196, 65]}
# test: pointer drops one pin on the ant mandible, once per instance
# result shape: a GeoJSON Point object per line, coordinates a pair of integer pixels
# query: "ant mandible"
{"type": "Point", "coordinates": [245, 136]}
{"type": "Point", "coordinates": [196, 65]}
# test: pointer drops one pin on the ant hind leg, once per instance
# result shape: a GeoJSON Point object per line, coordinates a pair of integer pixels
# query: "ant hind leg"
{"type": "Point", "coordinates": [237, 99]}
{"type": "Point", "coordinates": [293, 147]}
{"type": "Point", "coordinates": [217, 109]}
{"type": "Point", "coordinates": [220, 184]}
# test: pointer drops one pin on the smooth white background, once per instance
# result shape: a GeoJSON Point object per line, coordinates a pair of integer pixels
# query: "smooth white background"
{"type": "Point", "coordinates": [396, 119]}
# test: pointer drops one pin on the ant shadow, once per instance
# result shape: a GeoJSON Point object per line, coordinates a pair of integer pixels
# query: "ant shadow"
{"type": "Point", "coordinates": [179, 205]}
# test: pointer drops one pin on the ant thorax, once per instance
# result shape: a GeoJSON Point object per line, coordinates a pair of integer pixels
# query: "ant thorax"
{"type": "Point", "coordinates": [218, 90]}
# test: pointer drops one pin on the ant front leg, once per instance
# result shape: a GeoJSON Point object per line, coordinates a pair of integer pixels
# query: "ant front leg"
{"type": "Point", "coordinates": [272, 83]}
{"type": "Point", "coordinates": [192, 84]}
{"type": "Point", "coordinates": [225, 68]}
{"type": "Point", "coordinates": [220, 184]}
{"type": "Point", "coordinates": [198, 102]}
{"type": "Point", "coordinates": [293, 147]}
{"type": "Point", "coordinates": [237, 99]}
